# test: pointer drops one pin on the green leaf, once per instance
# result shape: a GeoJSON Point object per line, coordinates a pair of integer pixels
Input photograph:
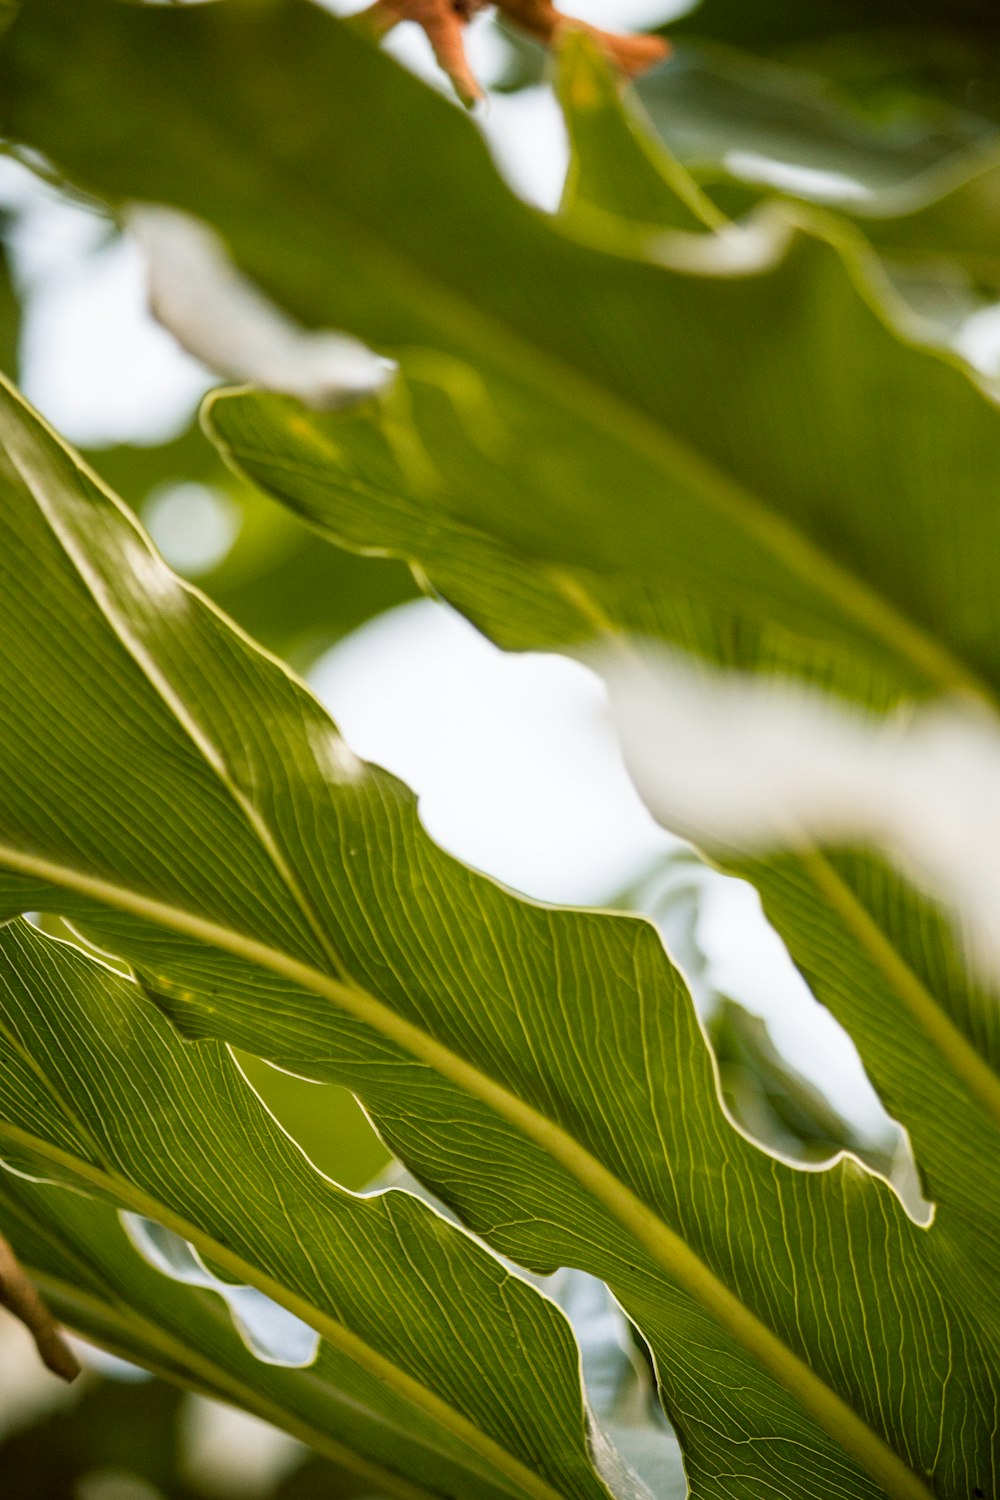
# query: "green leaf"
{"type": "Point", "coordinates": [618, 170]}
{"type": "Point", "coordinates": [948, 220]}
{"type": "Point", "coordinates": [99, 1093]}
{"type": "Point", "coordinates": [9, 309]}
{"type": "Point", "coordinates": [876, 93]}
{"type": "Point", "coordinates": [893, 116]}
{"type": "Point", "coordinates": [940, 229]}
{"type": "Point", "coordinates": [132, 1426]}
{"type": "Point", "coordinates": [196, 811]}
{"type": "Point", "coordinates": [342, 936]}
{"type": "Point", "coordinates": [293, 597]}
{"type": "Point", "coordinates": [79, 1254]}
{"type": "Point", "coordinates": [716, 108]}
{"type": "Point", "coordinates": [950, 51]}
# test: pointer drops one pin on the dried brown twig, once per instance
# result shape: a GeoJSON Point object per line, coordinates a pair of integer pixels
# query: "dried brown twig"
{"type": "Point", "coordinates": [19, 1296]}
{"type": "Point", "coordinates": [444, 21]}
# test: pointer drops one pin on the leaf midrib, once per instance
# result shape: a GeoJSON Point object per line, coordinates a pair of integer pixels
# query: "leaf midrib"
{"type": "Point", "coordinates": [973, 1071]}
{"type": "Point", "coordinates": [336, 1333]}
{"type": "Point", "coordinates": [219, 1383]}
{"type": "Point", "coordinates": [969, 1067]}
{"type": "Point", "coordinates": [664, 1246]}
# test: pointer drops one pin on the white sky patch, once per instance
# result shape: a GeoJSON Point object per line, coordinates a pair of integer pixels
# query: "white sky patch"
{"type": "Point", "coordinates": [106, 1364]}
{"type": "Point", "coordinates": [625, 15]}
{"type": "Point", "coordinates": [751, 766]}
{"type": "Point", "coordinates": [193, 525]}
{"type": "Point", "coordinates": [792, 177]}
{"type": "Point", "coordinates": [978, 340]}
{"type": "Point", "coordinates": [93, 360]}
{"type": "Point", "coordinates": [28, 1391]}
{"type": "Point", "coordinates": [527, 137]}
{"type": "Point", "coordinates": [735, 250]}
{"type": "Point", "coordinates": [516, 770]}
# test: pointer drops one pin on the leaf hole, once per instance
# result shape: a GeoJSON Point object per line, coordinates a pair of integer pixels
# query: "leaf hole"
{"type": "Point", "coordinates": [274, 1335]}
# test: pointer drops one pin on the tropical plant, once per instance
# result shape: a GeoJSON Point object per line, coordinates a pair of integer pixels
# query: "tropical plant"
{"type": "Point", "coordinates": [634, 419]}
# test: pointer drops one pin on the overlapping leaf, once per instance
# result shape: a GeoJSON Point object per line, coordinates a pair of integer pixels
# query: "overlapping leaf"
{"type": "Point", "coordinates": [931, 47]}
{"type": "Point", "coordinates": [189, 803]}
{"type": "Point", "coordinates": [890, 114]}
{"type": "Point", "coordinates": [874, 93]}
{"type": "Point", "coordinates": [92, 1276]}
{"type": "Point", "coordinates": [98, 1092]}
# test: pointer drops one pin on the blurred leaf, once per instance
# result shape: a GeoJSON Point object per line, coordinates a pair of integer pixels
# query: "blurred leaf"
{"type": "Point", "coordinates": [879, 51]}
{"type": "Point", "coordinates": [874, 92]}
{"type": "Point", "coordinates": [94, 1277]}
{"type": "Point", "coordinates": [9, 310]}
{"type": "Point", "coordinates": [620, 1382]}
{"type": "Point", "coordinates": [126, 1427]}
{"type": "Point", "coordinates": [771, 1100]}
{"type": "Point", "coordinates": [715, 108]}
{"type": "Point", "coordinates": [889, 113]}
{"type": "Point", "coordinates": [525, 61]}
{"type": "Point", "coordinates": [617, 169]}
{"type": "Point", "coordinates": [941, 232]}
{"type": "Point", "coordinates": [294, 597]}
{"type": "Point", "coordinates": [953, 219]}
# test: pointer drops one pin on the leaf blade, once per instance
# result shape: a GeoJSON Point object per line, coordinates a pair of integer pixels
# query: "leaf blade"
{"type": "Point", "coordinates": [610, 1178]}
{"type": "Point", "coordinates": [118, 1083]}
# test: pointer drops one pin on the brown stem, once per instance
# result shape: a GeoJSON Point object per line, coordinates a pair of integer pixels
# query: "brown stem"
{"type": "Point", "coordinates": [444, 22]}
{"type": "Point", "coordinates": [541, 20]}
{"type": "Point", "coordinates": [18, 1295]}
